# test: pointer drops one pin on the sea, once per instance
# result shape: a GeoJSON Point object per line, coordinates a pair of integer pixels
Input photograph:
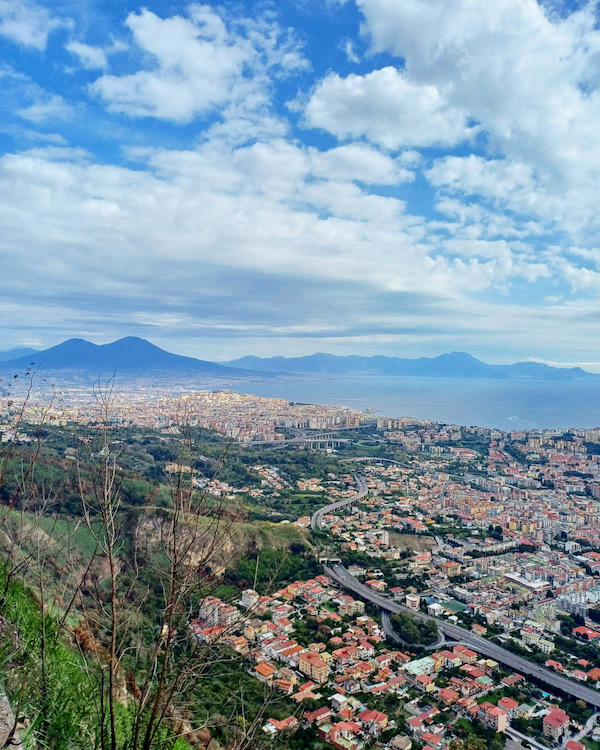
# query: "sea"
{"type": "Point", "coordinates": [501, 404]}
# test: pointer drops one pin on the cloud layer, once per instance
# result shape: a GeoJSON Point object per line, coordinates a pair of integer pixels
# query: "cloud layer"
{"type": "Point", "coordinates": [241, 182]}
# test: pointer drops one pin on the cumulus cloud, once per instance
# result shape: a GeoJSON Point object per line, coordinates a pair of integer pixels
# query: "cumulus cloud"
{"type": "Point", "coordinates": [472, 174]}
{"type": "Point", "coordinates": [388, 109]}
{"type": "Point", "coordinates": [93, 57]}
{"type": "Point", "coordinates": [46, 108]}
{"type": "Point", "coordinates": [357, 161]}
{"type": "Point", "coordinates": [527, 76]}
{"type": "Point", "coordinates": [199, 63]}
{"type": "Point", "coordinates": [350, 51]}
{"type": "Point", "coordinates": [199, 234]}
{"type": "Point", "coordinates": [28, 24]}
{"type": "Point", "coordinates": [430, 202]}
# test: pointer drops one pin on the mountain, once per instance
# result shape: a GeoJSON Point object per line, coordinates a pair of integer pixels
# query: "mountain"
{"type": "Point", "coordinates": [21, 351]}
{"type": "Point", "coordinates": [454, 365]}
{"type": "Point", "coordinates": [130, 355]}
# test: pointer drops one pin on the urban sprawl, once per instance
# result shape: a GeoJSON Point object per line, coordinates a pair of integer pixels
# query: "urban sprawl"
{"type": "Point", "coordinates": [495, 532]}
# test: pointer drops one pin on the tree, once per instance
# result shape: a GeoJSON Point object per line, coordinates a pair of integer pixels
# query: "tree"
{"type": "Point", "coordinates": [107, 660]}
{"type": "Point", "coordinates": [414, 631]}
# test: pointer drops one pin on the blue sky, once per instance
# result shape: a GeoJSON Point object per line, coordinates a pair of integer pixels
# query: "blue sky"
{"type": "Point", "coordinates": [363, 176]}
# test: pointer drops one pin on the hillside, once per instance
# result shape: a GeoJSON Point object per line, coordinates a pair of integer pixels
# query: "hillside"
{"type": "Point", "coordinates": [454, 365]}
{"type": "Point", "coordinates": [55, 593]}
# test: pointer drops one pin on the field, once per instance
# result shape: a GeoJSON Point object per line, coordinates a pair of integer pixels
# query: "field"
{"type": "Point", "coordinates": [414, 542]}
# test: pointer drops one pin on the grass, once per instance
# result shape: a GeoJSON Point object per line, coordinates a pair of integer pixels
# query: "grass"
{"type": "Point", "coordinates": [76, 531]}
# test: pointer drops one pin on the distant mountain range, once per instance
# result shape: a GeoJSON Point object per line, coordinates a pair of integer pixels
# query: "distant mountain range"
{"type": "Point", "coordinates": [130, 356]}
{"type": "Point", "coordinates": [22, 351]}
{"type": "Point", "coordinates": [454, 365]}
{"type": "Point", "coordinates": [135, 356]}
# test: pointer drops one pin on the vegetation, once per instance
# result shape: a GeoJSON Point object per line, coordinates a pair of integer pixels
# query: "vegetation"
{"type": "Point", "coordinates": [271, 567]}
{"type": "Point", "coordinates": [101, 570]}
{"type": "Point", "coordinates": [413, 630]}
{"type": "Point", "coordinates": [476, 737]}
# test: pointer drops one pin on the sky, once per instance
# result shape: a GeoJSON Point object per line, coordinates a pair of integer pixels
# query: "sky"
{"type": "Point", "coordinates": [403, 177]}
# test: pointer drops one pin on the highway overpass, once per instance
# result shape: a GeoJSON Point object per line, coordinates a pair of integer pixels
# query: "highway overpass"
{"type": "Point", "coordinates": [361, 491]}
{"type": "Point", "coordinates": [340, 575]}
{"type": "Point", "coordinates": [304, 437]}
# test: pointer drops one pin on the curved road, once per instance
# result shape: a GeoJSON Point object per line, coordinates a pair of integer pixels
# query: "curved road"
{"type": "Point", "coordinates": [340, 575]}
{"type": "Point", "coordinates": [362, 490]}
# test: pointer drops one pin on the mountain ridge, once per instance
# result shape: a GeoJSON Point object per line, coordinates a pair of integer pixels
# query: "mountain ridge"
{"type": "Point", "coordinates": [453, 364]}
{"type": "Point", "coordinates": [16, 352]}
{"type": "Point", "coordinates": [130, 355]}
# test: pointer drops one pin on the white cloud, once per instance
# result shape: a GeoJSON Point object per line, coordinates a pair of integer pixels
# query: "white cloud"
{"type": "Point", "coordinates": [387, 108]}
{"type": "Point", "coordinates": [357, 161]}
{"type": "Point", "coordinates": [244, 244]}
{"type": "Point", "coordinates": [48, 108]}
{"type": "Point", "coordinates": [224, 221]}
{"type": "Point", "coordinates": [27, 23]}
{"type": "Point", "coordinates": [245, 228]}
{"type": "Point", "coordinates": [89, 56]}
{"type": "Point", "coordinates": [476, 175]}
{"type": "Point", "coordinates": [528, 76]}
{"type": "Point", "coordinates": [475, 221]}
{"type": "Point", "coordinates": [349, 49]}
{"type": "Point", "coordinates": [410, 158]}
{"type": "Point", "coordinates": [200, 64]}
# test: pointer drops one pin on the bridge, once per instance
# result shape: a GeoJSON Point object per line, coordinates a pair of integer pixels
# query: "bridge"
{"type": "Point", "coordinates": [340, 575]}
{"type": "Point", "coordinates": [328, 438]}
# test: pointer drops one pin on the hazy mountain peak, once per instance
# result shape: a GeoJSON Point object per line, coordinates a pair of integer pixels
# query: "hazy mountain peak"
{"type": "Point", "coordinates": [449, 365]}
{"type": "Point", "coordinates": [131, 355]}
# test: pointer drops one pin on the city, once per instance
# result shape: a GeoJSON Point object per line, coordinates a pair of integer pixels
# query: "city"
{"type": "Point", "coordinates": [299, 375]}
{"type": "Point", "coordinates": [493, 537]}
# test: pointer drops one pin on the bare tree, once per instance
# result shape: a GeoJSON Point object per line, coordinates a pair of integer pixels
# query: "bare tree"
{"type": "Point", "coordinates": [129, 605]}
{"type": "Point", "coordinates": [139, 619]}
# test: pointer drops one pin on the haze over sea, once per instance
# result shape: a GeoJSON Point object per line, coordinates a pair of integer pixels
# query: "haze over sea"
{"type": "Point", "coordinates": [505, 405]}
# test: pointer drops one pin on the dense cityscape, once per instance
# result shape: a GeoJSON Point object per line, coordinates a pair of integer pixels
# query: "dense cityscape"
{"type": "Point", "coordinates": [494, 532]}
{"type": "Point", "coordinates": [299, 375]}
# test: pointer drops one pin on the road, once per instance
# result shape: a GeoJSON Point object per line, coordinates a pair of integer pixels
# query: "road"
{"type": "Point", "coordinates": [587, 728]}
{"type": "Point", "coordinates": [338, 573]}
{"type": "Point", "coordinates": [303, 436]}
{"type": "Point", "coordinates": [388, 628]}
{"type": "Point", "coordinates": [484, 647]}
{"type": "Point", "coordinates": [519, 738]}
{"type": "Point", "coordinates": [361, 491]}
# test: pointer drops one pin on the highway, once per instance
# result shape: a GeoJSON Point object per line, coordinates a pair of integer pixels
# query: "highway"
{"type": "Point", "coordinates": [377, 460]}
{"type": "Point", "coordinates": [340, 575]}
{"type": "Point", "coordinates": [362, 491]}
